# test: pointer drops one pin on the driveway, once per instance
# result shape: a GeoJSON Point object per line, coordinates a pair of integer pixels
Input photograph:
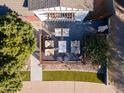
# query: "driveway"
{"type": "Point", "coordinates": [65, 87]}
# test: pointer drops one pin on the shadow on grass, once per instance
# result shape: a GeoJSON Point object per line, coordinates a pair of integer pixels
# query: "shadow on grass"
{"type": "Point", "coordinates": [101, 74]}
{"type": "Point", "coordinates": [101, 77]}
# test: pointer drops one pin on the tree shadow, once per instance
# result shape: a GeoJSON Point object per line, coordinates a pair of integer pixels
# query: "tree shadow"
{"type": "Point", "coordinates": [36, 54]}
{"type": "Point", "coordinates": [101, 74]}
{"type": "Point", "coordinates": [25, 4]}
{"type": "Point", "coordinates": [116, 63]}
{"type": "Point", "coordinates": [101, 77]}
{"type": "Point", "coordinates": [102, 9]}
{"type": "Point", "coordinates": [120, 2]}
{"type": "Point", "coordinates": [4, 9]}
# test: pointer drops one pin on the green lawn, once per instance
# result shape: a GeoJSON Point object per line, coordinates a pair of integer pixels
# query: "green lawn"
{"type": "Point", "coordinates": [73, 76]}
{"type": "Point", "coordinates": [26, 75]}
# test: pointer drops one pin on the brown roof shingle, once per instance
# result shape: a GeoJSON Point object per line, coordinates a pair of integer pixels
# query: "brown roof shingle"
{"type": "Point", "coordinates": [79, 4]}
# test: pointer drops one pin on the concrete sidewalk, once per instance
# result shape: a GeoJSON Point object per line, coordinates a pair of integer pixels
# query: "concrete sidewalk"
{"type": "Point", "coordinates": [36, 69]}
{"type": "Point", "coordinates": [65, 87]}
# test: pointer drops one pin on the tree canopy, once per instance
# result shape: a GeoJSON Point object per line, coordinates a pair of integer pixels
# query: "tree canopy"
{"type": "Point", "coordinates": [17, 42]}
{"type": "Point", "coordinates": [96, 49]}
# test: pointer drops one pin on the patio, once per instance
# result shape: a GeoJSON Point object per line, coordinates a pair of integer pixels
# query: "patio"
{"type": "Point", "coordinates": [65, 41]}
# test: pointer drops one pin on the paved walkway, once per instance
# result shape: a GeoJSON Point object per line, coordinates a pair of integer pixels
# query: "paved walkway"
{"type": "Point", "coordinates": [36, 70]}
{"type": "Point", "coordinates": [65, 87]}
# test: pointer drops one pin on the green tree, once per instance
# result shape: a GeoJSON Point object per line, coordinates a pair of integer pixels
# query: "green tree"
{"type": "Point", "coordinates": [17, 42]}
{"type": "Point", "coordinates": [96, 49]}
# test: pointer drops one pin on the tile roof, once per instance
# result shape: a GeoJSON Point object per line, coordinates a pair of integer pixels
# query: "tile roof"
{"type": "Point", "coordinates": [79, 4]}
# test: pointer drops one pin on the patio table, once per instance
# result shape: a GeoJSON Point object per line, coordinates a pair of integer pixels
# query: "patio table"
{"type": "Point", "coordinates": [62, 46]}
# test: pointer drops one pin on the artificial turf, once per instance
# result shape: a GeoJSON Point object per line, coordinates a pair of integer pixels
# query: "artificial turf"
{"type": "Point", "coordinates": [73, 76]}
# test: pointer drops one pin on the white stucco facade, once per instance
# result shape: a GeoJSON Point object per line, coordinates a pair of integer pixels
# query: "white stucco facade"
{"type": "Point", "coordinates": [79, 14]}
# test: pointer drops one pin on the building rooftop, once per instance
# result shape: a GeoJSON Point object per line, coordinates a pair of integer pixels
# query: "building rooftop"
{"type": "Point", "coordinates": [79, 4]}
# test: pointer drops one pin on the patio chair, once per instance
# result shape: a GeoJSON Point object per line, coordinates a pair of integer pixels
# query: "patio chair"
{"type": "Point", "coordinates": [49, 52]}
{"type": "Point", "coordinates": [49, 43]}
{"type": "Point", "coordinates": [75, 47]}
